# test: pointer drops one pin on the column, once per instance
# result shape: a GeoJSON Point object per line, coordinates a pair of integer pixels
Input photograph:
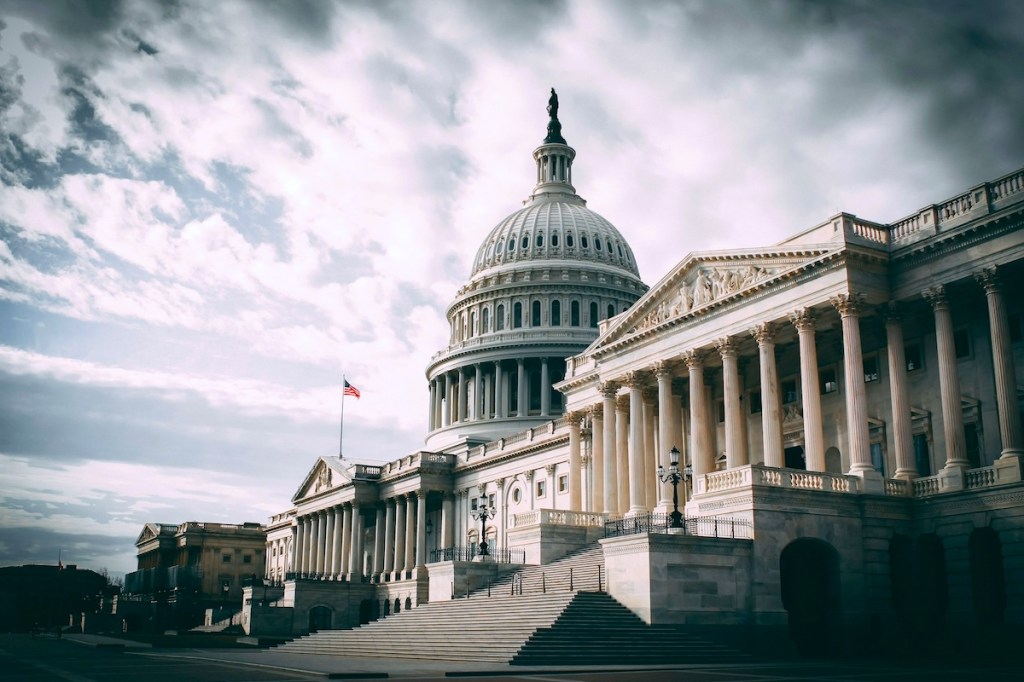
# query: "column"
{"type": "Point", "coordinates": [771, 412]}
{"type": "Point", "coordinates": [701, 458]}
{"type": "Point", "coordinates": [355, 552]}
{"type": "Point", "coordinates": [597, 457]}
{"type": "Point", "coordinates": [545, 390]}
{"type": "Point", "coordinates": [501, 523]}
{"type": "Point", "coordinates": [389, 539]}
{"type": "Point", "coordinates": [735, 444]}
{"type": "Point", "coordinates": [316, 560]}
{"type": "Point", "coordinates": [292, 566]}
{"type": "Point", "coordinates": [949, 380]}
{"type": "Point", "coordinates": [666, 438]}
{"type": "Point", "coordinates": [478, 392]}
{"type": "Point", "coordinates": [446, 408]}
{"type": "Point", "coordinates": [622, 452]}
{"type": "Point", "coordinates": [378, 544]}
{"type": "Point", "coordinates": [400, 513]}
{"type": "Point", "coordinates": [1010, 431]}
{"type": "Point", "coordinates": [463, 398]}
{"type": "Point", "coordinates": [500, 391]}
{"type": "Point", "coordinates": [298, 548]}
{"type": "Point", "coordinates": [611, 494]}
{"type": "Point", "coordinates": [902, 431]}
{"type": "Point", "coordinates": [421, 528]}
{"type": "Point", "coordinates": [573, 419]}
{"type": "Point", "coordinates": [410, 535]}
{"type": "Point", "coordinates": [522, 406]}
{"type": "Point", "coordinates": [346, 537]}
{"type": "Point", "coordinates": [810, 390]}
{"type": "Point", "coordinates": [329, 545]}
{"type": "Point", "coordinates": [650, 472]}
{"type": "Point", "coordinates": [447, 522]}
{"type": "Point", "coordinates": [849, 306]}
{"type": "Point", "coordinates": [488, 396]}
{"type": "Point", "coordinates": [433, 396]}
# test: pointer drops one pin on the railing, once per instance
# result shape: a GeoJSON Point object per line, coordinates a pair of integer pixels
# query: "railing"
{"type": "Point", "coordinates": [500, 556]}
{"type": "Point", "coordinates": [699, 526]}
{"type": "Point", "coordinates": [955, 207]}
{"type": "Point", "coordinates": [897, 487]}
{"type": "Point", "coordinates": [758, 474]}
{"type": "Point", "coordinates": [980, 478]}
{"type": "Point", "coordinates": [557, 517]}
{"type": "Point", "coordinates": [928, 485]}
{"type": "Point", "coordinates": [1006, 186]}
{"type": "Point", "coordinates": [367, 471]}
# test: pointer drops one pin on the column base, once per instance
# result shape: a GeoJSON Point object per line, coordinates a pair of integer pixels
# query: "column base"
{"type": "Point", "coordinates": [953, 477]}
{"type": "Point", "coordinates": [1009, 467]}
{"type": "Point", "coordinates": [871, 482]}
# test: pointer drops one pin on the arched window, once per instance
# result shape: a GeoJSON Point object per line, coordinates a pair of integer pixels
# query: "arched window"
{"type": "Point", "coordinates": [568, 240]}
{"type": "Point", "coordinates": [620, 251]}
{"type": "Point", "coordinates": [593, 314]}
{"type": "Point", "coordinates": [597, 243]}
{"type": "Point", "coordinates": [574, 313]}
{"type": "Point", "coordinates": [499, 318]}
{"type": "Point", "coordinates": [611, 310]}
{"type": "Point", "coordinates": [539, 241]}
{"type": "Point", "coordinates": [535, 314]}
{"type": "Point", "coordinates": [511, 244]}
{"type": "Point", "coordinates": [485, 319]}
{"type": "Point", "coordinates": [526, 241]}
{"type": "Point", "coordinates": [583, 241]}
{"type": "Point", "coordinates": [517, 315]}
{"type": "Point", "coordinates": [472, 324]}
{"type": "Point", "coordinates": [556, 313]}
{"type": "Point", "coordinates": [554, 240]}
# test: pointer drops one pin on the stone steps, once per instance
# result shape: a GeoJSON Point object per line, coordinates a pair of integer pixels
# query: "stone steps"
{"type": "Point", "coordinates": [586, 565]}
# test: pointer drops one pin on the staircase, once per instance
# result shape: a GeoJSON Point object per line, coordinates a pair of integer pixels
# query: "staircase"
{"type": "Point", "coordinates": [531, 617]}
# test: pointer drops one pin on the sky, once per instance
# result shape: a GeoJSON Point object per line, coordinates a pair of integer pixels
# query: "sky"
{"type": "Point", "coordinates": [212, 211]}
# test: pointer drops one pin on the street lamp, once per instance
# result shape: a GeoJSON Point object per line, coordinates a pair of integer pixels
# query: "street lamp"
{"type": "Point", "coordinates": [673, 475]}
{"type": "Point", "coordinates": [483, 512]}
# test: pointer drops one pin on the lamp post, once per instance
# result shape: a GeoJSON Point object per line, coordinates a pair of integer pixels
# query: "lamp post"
{"type": "Point", "coordinates": [483, 512]}
{"type": "Point", "coordinates": [673, 475]}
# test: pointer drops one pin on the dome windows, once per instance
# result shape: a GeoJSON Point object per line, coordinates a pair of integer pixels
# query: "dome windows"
{"type": "Point", "coordinates": [517, 315]}
{"type": "Point", "coordinates": [574, 314]}
{"type": "Point", "coordinates": [511, 244]}
{"type": "Point", "coordinates": [556, 313]}
{"type": "Point", "coordinates": [583, 242]}
{"type": "Point", "coordinates": [485, 321]}
{"type": "Point", "coordinates": [568, 240]}
{"type": "Point", "coordinates": [554, 240]}
{"type": "Point", "coordinates": [539, 241]}
{"type": "Point", "coordinates": [535, 314]}
{"type": "Point", "coordinates": [597, 243]}
{"type": "Point", "coordinates": [499, 318]}
{"type": "Point", "coordinates": [526, 242]}
{"type": "Point", "coordinates": [593, 314]}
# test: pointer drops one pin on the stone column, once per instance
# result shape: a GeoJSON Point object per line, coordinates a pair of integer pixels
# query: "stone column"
{"type": "Point", "coordinates": [597, 458]}
{"type": "Point", "coordinates": [522, 400]}
{"type": "Point", "coordinates": [421, 528]}
{"type": "Point", "coordinates": [446, 408]}
{"type": "Point", "coordinates": [488, 396]}
{"type": "Point", "coordinates": [702, 459]}
{"type": "Point", "coordinates": [622, 452]}
{"type": "Point", "coordinates": [810, 390]}
{"type": "Point", "coordinates": [433, 398]}
{"type": "Point", "coordinates": [573, 419]}
{"type": "Point", "coordinates": [447, 522]}
{"type": "Point", "coordinates": [545, 390]}
{"type": "Point", "coordinates": [378, 544]}
{"type": "Point", "coordinates": [463, 398]}
{"type": "Point", "coordinates": [410, 535]}
{"type": "Point", "coordinates": [1010, 431]}
{"type": "Point", "coordinates": [500, 391]}
{"type": "Point", "coordinates": [355, 554]}
{"type": "Point", "coordinates": [849, 306]}
{"type": "Point", "coordinates": [501, 522]}
{"type": "Point", "coordinates": [666, 437]}
{"type": "Point", "coordinates": [478, 392]}
{"type": "Point", "coordinates": [319, 537]}
{"type": "Point", "coordinates": [346, 538]}
{"type": "Point", "coordinates": [771, 411]}
{"type": "Point", "coordinates": [298, 549]}
{"type": "Point", "coordinates": [949, 386]}
{"type": "Point", "coordinates": [902, 431]}
{"type": "Point", "coordinates": [389, 539]}
{"type": "Point", "coordinates": [292, 566]}
{"type": "Point", "coordinates": [650, 451]}
{"type": "Point", "coordinates": [329, 545]}
{"type": "Point", "coordinates": [611, 489]}
{"type": "Point", "coordinates": [735, 443]}
{"type": "Point", "coordinates": [400, 522]}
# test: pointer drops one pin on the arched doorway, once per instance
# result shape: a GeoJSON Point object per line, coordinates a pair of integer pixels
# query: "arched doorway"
{"type": "Point", "coordinates": [809, 571]}
{"type": "Point", "coordinates": [320, 617]}
{"type": "Point", "coordinates": [932, 598]}
{"type": "Point", "coordinates": [988, 584]}
{"type": "Point", "coordinates": [365, 611]}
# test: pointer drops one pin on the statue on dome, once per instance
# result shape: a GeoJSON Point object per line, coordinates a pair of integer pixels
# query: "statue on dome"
{"type": "Point", "coordinates": [554, 126]}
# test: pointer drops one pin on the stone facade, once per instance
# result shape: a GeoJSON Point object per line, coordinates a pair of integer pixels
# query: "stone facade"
{"type": "Point", "coordinates": [847, 405]}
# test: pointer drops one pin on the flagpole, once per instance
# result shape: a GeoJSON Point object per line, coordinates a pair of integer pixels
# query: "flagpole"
{"type": "Point", "coordinates": [341, 434]}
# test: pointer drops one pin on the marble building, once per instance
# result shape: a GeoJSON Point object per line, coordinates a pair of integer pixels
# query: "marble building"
{"type": "Point", "coordinates": [851, 396]}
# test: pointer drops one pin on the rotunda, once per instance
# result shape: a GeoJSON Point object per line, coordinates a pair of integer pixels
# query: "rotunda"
{"type": "Point", "coordinates": [542, 282]}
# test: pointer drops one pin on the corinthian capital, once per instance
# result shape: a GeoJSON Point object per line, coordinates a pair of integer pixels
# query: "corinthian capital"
{"type": "Point", "coordinates": [848, 305]}
{"type": "Point", "coordinates": [636, 379]}
{"type": "Point", "coordinates": [694, 359]}
{"type": "Point", "coordinates": [764, 332]}
{"type": "Point", "coordinates": [573, 418]}
{"type": "Point", "coordinates": [989, 278]}
{"type": "Point", "coordinates": [936, 295]}
{"type": "Point", "coordinates": [803, 319]}
{"type": "Point", "coordinates": [608, 389]}
{"type": "Point", "coordinates": [726, 346]}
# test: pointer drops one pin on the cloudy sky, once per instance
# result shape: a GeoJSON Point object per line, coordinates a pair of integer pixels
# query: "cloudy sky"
{"type": "Point", "coordinates": [210, 211]}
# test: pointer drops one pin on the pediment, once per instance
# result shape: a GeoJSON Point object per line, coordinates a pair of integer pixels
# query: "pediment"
{"type": "Point", "coordinates": [702, 282]}
{"type": "Point", "coordinates": [152, 531]}
{"type": "Point", "coordinates": [327, 473]}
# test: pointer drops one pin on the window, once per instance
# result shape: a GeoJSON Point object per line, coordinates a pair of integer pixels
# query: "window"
{"type": "Point", "coordinates": [542, 488]}
{"type": "Point", "coordinates": [583, 241]}
{"type": "Point", "coordinates": [554, 240]}
{"type": "Point", "coordinates": [922, 457]}
{"type": "Point", "coordinates": [499, 318]}
{"type": "Point", "coordinates": [877, 458]}
{"type": "Point", "coordinates": [535, 314]}
{"type": "Point", "coordinates": [472, 323]}
{"type": "Point", "coordinates": [485, 319]}
{"type": "Point", "coordinates": [574, 313]}
{"type": "Point", "coordinates": [526, 241]}
{"type": "Point", "coordinates": [517, 315]}
{"type": "Point", "coordinates": [597, 243]}
{"type": "Point", "coordinates": [912, 354]}
{"type": "Point", "coordinates": [620, 250]}
{"type": "Point", "coordinates": [556, 313]}
{"type": "Point", "coordinates": [490, 501]}
{"type": "Point", "coordinates": [870, 368]}
{"type": "Point", "coordinates": [473, 502]}
{"type": "Point", "coordinates": [568, 240]}
{"type": "Point", "coordinates": [517, 493]}
{"type": "Point", "coordinates": [755, 402]}
{"type": "Point", "coordinates": [563, 483]}
{"type": "Point", "coordinates": [511, 244]}
{"type": "Point", "coordinates": [225, 558]}
{"type": "Point", "coordinates": [539, 241]}
{"type": "Point", "coordinates": [790, 394]}
{"type": "Point", "coordinates": [611, 310]}
{"type": "Point", "coordinates": [828, 380]}
{"type": "Point", "coordinates": [246, 558]}
{"type": "Point", "coordinates": [962, 343]}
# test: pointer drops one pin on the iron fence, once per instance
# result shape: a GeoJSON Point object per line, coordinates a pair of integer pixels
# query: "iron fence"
{"type": "Point", "coordinates": [501, 556]}
{"type": "Point", "coordinates": [700, 526]}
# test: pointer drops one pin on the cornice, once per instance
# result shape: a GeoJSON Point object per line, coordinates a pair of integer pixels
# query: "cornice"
{"type": "Point", "coordinates": [532, 448]}
{"type": "Point", "coordinates": [964, 236]}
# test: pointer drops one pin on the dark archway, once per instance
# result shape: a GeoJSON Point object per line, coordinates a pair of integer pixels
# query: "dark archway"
{"type": "Point", "coordinates": [901, 577]}
{"type": "Point", "coordinates": [320, 618]}
{"type": "Point", "coordinates": [932, 594]}
{"type": "Point", "coordinates": [365, 611]}
{"type": "Point", "coordinates": [408, 603]}
{"type": "Point", "coordinates": [988, 582]}
{"type": "Point", "coordinates": [387, 607]}
{"type": "Point", "coordinates": [398, 605]}
{"type": "Point", "coordinates": [810, 593]}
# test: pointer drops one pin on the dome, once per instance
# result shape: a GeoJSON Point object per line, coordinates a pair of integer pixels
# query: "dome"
{"type": "Point", "coordinates": [561, 229]}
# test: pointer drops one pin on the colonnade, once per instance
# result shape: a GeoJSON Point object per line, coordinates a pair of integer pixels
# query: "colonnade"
{"type": "Point", "coordinates": [636, 423]}
{"type": "Point", "coordinates": [453, 401]}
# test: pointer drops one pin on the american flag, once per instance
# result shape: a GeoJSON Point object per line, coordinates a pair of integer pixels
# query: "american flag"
{"type": "Point", "coordinates": [350, 390]}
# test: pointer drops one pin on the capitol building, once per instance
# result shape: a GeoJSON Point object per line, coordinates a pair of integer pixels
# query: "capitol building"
{"type": "Point", "coordinates": [842, 409]}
